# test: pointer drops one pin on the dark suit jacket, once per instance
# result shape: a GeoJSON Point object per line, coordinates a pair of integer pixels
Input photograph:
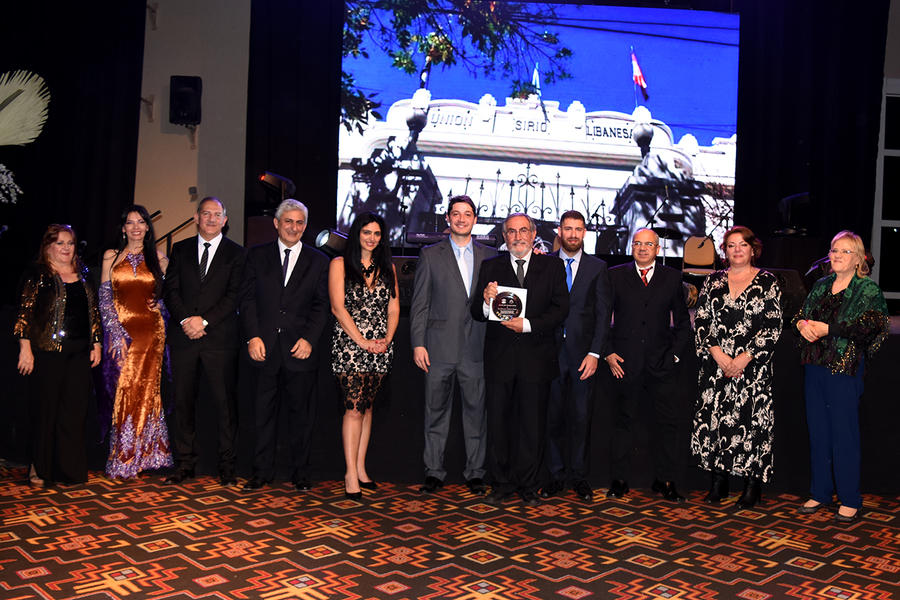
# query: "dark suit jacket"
{"type": "Point", "coordinates": [641, 333]}
{"type": "Point", "coordinates": [589, 304]}
{"type": "Point", "coordinates": [215, 299]}
{"type": "Point", "coordinates": [527, 356]}
{"type": "Point", "coordinates": [440, 318]}
{"type": "Point", "coordinates": [283, 314]}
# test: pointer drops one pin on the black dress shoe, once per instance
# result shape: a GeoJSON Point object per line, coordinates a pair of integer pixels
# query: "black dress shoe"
{"type": "Point", "coordinates": [431, 485]}
{"type": "Point", "coordinates": [476, 486]}
{"type": "Point", "coordinates": [228, 480]}
{"type": "Point", "coordinates": [583, 490]}
{"type": "Point", "coordinates": [718, 487]}
{"type": "Point", "coordinates": [529, 498]}
{"type": "Point", "coordinates": [667, 490]}
{"type": "Point", "coordinates": [751, 493]}
{"type": "Point", "coordinates": [848, 519]}
{"type": "Point", "coordinates": [617, 489]}
{"type": "Point", "coordinates": [368, 485]}
{"type": "Point", "coordinates": [254, 483]}
{"type": "Point", "coordinates": [496, 498]}
{"type": "Point", "coordinates": [552, 488]}
{"type": "Point", "coordinates": [810, 510]}
{"type": "Point", "coordinates": [179, 476]}
{"type": "Point", "coordinates": [303, 485]}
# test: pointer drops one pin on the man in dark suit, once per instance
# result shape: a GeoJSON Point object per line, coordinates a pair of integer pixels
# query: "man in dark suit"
{"type": "Point", "coordinates": [284, 308]}
{"type": "Point", "coordinates": [201, 293]}
{"type": "Point", "coordinates": [642, 354]}
{"type": "Point", "coordinates": [449, 345]}
{"type": "Point", "coordinates": [581, 339]}
{"type": "Point", "coordinates": [520, 359]}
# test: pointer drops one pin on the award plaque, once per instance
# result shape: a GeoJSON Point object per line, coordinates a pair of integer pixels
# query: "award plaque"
{"type": "Point", "coordinates": [509, 303]}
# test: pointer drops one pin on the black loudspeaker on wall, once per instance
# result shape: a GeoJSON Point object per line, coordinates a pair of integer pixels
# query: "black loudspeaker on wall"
{"type": "Point", "coordinates": [184, 99]}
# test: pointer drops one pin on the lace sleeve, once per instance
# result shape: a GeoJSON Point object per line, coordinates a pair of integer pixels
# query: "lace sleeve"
{"type": "Point", "coordinates": [115, 338]}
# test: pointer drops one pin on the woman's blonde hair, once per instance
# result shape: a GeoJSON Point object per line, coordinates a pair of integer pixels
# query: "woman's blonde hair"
{"type": "Point", "coordinates": [862, 269]}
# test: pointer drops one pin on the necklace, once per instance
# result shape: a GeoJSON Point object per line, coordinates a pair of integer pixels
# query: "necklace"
{"type": "Point", "coordinates": [366, 271]}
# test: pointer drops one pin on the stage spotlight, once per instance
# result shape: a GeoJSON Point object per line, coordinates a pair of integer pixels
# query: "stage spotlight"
{"type": "Point", "coordinates": [284, 186]}
{"type": "Point", "coordinates": [332, 242]}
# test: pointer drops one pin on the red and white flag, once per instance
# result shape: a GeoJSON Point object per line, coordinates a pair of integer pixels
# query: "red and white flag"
{"type": "Point", "coordinates": [638, 76]}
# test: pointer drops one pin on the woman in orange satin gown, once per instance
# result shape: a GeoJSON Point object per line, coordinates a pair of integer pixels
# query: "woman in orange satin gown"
{"type": "Point", "coordinates": [134, 344]}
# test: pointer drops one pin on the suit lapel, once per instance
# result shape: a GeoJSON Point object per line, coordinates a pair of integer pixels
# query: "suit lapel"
{"type": "Point", "coordinates": [583, 274]}
{"type": "Point", "coordinates": [448, 252]}
{"type": "Point", "coordinates": [480, 256]}
{"type": "Point", "coordinates": [217, 259]}
{"type": "Point", "coordinates": [300, 268]}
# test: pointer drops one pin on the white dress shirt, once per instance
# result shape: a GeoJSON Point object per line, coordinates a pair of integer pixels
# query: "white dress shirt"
{"type": "Point", "coordinates": [292, 258]}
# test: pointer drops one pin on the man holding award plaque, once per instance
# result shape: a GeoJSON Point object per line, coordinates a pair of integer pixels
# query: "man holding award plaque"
{"type": "Point", "coordinates": [525, 301]}
{"type": "Point", "coordinates": [449, 345]}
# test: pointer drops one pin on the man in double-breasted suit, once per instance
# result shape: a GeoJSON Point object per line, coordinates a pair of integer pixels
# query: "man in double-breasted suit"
{"type": "Point", "coordinates": [650, 330]}
{"type": "Point", "coordinates": [201, 293]}
{"type": "Point", "coordinates": [581, 341]}
{"type": "Point", "coordinates": [448, 344]}
{"type": "Point", "coordinates": [284, 308]}
{"type": "Point", "coordinates": [520, 359]}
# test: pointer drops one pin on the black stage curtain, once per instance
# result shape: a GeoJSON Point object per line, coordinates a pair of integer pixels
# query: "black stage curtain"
{"type": "Point", "coordinates": [81, 169]}
{"type": "Point", "coordinates": [809, 107]}
{"type": "Point", "coordinates": [293, 104]}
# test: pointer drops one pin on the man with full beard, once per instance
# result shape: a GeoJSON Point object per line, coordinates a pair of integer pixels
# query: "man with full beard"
{"type": "Point", "coordinates": [580, 341]}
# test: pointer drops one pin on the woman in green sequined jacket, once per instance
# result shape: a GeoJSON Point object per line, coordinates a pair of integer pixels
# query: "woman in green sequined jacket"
{"type": "Point", "coordinates": [843, 320]}
{"type": "Point", "coordinates": [59, 332]}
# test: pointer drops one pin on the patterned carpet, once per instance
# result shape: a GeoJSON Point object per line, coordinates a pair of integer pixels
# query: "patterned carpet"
{"type": "Point", "coordinates": [143, 539]}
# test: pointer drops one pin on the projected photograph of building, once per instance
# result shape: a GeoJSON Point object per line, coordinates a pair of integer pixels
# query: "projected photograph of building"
{"type": "Point", "coordinates": [640, 131]}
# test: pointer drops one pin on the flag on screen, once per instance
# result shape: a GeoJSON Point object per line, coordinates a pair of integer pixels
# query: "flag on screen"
{"type": "Point", "coordinates": [536, 80]}
{"type": "Point", "coordinates": [638, 76]}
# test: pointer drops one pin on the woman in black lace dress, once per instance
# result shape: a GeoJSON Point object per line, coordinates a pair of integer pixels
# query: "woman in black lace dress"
{"type": "Point", "coordinates": [362, 286]}
{"type": "Point", "coordinates": [738, 323]}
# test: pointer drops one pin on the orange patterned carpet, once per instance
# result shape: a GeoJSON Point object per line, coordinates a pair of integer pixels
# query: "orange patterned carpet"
{"type": "Point", "coordinates": [142, 539]}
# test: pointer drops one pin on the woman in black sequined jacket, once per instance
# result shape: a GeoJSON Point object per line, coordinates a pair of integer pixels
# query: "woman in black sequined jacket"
{"type": "Point", "coordinates": [59, 332]}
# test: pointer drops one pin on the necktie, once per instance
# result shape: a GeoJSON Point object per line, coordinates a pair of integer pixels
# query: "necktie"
{"type": "Point", "coordinates": [204, 260]}
{"type": "Point", "coordinates": [284, 266]}
{"type": "Point", "coordinates": [463, 269]}
{"type": "Point", "coordinates": [520, 271]}
{"type": "Point", "coordinates": [569, 262]}
{"type": "Point", "coordinates": [644, 275]}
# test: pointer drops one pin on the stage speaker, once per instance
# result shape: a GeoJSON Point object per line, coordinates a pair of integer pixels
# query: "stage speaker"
{"type": "Point", "coordinates": [406, 274]}
{"type": "Point", "coordinates": [184, 100]}
{"type": "Point", "coordinates": [793, 292]}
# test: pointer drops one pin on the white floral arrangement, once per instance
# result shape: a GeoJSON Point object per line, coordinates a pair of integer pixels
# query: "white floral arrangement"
{"type": "Point", "coordinates": [24, 99]}
{"type": "Point", "coordinates": [9, 191]}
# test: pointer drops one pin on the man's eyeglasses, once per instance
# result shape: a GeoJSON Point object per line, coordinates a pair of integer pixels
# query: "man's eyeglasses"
{"type": "Point", "coordinates": [520, 232]}
{"type": "Point", "coordinates": [639, 244]}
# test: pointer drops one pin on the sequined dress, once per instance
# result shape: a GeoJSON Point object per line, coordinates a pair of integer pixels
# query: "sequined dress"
{"type": "Point", "coordinates": [139, 439]}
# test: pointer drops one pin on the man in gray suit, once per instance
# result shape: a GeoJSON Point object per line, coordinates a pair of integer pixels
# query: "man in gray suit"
{"type": "Point", "coordinates": [449, 345]}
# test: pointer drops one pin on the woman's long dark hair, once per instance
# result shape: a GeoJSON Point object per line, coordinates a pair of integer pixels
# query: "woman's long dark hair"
{"type": "Point", "coordinates": [149, 248]}
{"type": "Point", "coordinates": [381, 256]}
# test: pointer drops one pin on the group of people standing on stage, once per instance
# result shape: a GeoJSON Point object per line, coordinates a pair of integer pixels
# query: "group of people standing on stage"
{"type": "Point", "coordinates": [527, 383]}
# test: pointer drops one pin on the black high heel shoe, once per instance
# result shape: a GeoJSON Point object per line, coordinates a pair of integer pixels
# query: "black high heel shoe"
{"type": "Point", "coordinates": [352, 495]}
{"type": "Point", "coordinates": [752, 493]}
{"type": "Point", "coordinates": [718, 487]}
{"type": "Point", "coordinates": [368, 485]}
